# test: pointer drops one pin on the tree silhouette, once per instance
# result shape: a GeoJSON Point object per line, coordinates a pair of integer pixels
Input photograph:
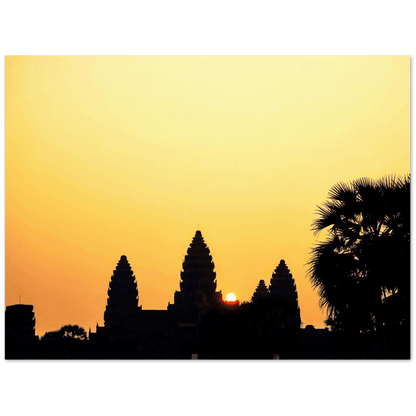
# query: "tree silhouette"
{"type": "Point", "coordinates": [67, 332]}
{"type": "Point", "coordinates": [67, 342]}
{"type": "Point", "coordinates": [366, 256]}
{"type": "Point", "coordinates": [73, 332]}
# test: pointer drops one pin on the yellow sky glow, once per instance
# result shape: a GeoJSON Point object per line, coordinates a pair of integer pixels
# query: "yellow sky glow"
{"type": "Point", "coordinates": [128, 155]}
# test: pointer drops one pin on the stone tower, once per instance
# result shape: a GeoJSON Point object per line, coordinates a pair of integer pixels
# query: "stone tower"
{"type": "Point", "coordinates": [283, 289]}
{"type": "Point", "coordinates": [20, 338]}
{"type": "Point", "coordinates": [261, 292]}
{"type": "Point", "coordinates": [282, 285]}
{"type": "Point", "coordinates": [198, 284]}
{"type": "Point", "coordinates": [122, 302]}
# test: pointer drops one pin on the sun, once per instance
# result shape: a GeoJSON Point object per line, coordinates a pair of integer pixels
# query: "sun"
{"type": "Point", "coordinates": [231, 297]}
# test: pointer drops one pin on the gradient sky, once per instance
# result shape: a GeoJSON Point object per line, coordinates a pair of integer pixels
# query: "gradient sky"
{"type": "Point", "coordinates": [107, 156]}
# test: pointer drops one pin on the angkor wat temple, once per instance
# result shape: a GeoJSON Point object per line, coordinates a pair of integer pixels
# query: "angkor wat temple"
{"type": "Point", "coordinates": [199, 323]}
{"type": "Point", "coordinates": [196, 304]}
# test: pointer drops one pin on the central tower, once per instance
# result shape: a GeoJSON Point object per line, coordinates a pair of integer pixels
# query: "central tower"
{"type": "Point", "coordinates": [198, 284]}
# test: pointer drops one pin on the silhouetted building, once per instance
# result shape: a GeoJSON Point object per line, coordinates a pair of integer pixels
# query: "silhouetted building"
{"type": "Point", "coordinates": [197, 288]}
{"type": "Point", "coordinates": [141, 332]}
{"type": "Point", "coordinates": [261, 292]}
{"type": "Point", "coordinates": [197, 315]}
{"type": "Point", "coordinates": [122, 303]}
{"type": "Point", "coordinates": [282, 285]}
{"type": "Point", "coordinates": [20, 331]}
{"type": "Point", "coordinates": [283, 290]}
{"type": "Point", "coordinates": [20, 319]}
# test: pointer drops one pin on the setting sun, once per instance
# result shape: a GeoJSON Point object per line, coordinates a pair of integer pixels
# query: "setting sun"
{"type": "Point", "coordinates": [231, 297]}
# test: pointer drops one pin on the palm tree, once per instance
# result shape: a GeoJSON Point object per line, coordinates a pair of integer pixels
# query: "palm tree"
{"type": "Point", "coordinates": [366, 256]}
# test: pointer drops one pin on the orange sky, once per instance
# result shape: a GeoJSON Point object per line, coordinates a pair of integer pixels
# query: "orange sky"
{"type": "Point", "coordinates": [107, 156]}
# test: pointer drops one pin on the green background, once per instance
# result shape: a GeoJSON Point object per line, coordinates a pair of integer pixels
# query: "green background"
{"type": "Point", "coordinates": [41, 27]}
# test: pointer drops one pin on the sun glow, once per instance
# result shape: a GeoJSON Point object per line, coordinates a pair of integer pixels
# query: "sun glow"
{"type": "Point", "coordinates": [231, 297]}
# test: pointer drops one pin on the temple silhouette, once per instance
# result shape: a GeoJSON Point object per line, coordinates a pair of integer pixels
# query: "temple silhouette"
{"type": "Point", "coordinates": [179, 326]}
{"type": "Point", "coordinates": [199, 323]}
{"type": "Point", "coordinates": [196, 296]}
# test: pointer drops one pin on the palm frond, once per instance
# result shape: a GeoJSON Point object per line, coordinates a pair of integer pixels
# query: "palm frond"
{"type": "Point", "coordinates": [341, 191]}
{"type": "Point", "coordinates": [326, 218]}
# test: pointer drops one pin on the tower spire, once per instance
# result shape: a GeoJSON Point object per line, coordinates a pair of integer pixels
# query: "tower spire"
{"type": "Point", "coordinates": [261, 292]}
{"type": "Point", "coordinates": [198, 278]}
{"type": "Point", "coordinates": [283, 289]}
{"type": "Point", "coordinates": [123, 296]}
{"type": "Point", "coordinates": [282, 284]}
